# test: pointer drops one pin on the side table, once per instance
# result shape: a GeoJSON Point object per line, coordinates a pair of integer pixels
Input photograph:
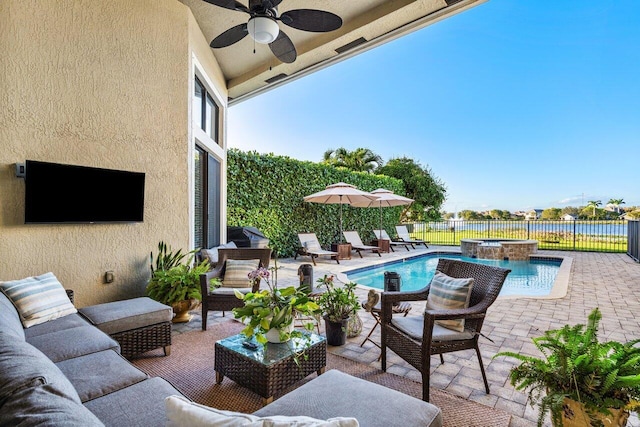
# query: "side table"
{"type": "Point", "coordinates": [269, 369]}
{"type": "Point", "coordinates": [382, 244]}
{"type": "Point", "coordinates": [343, 249]}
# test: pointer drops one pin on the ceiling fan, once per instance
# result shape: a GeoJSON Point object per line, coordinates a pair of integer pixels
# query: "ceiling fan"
{"type": "Point", "coordinates": [263, 26]}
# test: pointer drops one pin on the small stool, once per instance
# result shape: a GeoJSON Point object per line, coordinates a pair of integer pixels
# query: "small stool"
{"type": "Point", "coordinates": [138, 324]}
{"type": "Point", "coordinates": [376, 310]}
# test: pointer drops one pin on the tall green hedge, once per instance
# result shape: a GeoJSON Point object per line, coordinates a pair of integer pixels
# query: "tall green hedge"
{"type": "Point", "coordinates": [266, 192]}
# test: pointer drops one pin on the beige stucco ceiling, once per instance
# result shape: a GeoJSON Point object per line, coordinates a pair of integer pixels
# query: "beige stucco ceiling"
{"type": "Point", "coordinates": [366, 24]}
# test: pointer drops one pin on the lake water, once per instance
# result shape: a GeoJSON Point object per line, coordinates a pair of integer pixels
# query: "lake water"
{"type": "Point", "coordinates": [532, 278]}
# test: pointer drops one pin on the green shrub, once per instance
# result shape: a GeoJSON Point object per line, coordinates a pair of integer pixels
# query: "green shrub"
{"type": "Point", "coordinates": [266, 192]}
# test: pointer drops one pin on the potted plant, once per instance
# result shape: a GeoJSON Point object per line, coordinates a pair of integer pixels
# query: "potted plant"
{"type": "Point", "coordinates": [176, 282]}
{"type": "Point", "coordinates": [579, 380]}
{"type": "Point", "coordinates": [337, 304]}
{"type": "Point", "coordinates": [271, 312]}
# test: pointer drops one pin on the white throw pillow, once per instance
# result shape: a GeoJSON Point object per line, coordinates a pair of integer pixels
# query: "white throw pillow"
{"type": "Point", "coordinates": [183, 413]}
{"type": "Point", "coordinates": [447, 293]}
{"type": "Point", "coordinates": [212, 253]}
{"type": "Point", "coordinates": [38, 299]}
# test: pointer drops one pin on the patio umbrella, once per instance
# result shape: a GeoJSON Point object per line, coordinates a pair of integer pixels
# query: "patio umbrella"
{"type": "Point", "coordinates": [342, 194]}
{"type": "Point", "coordinates": [386, 198]}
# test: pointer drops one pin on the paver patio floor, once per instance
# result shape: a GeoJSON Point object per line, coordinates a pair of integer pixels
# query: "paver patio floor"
{"type": "Point", "coordinates": [608, 281]}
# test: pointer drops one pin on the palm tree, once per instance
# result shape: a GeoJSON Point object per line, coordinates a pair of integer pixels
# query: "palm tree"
{"type": "Point", "coordinates": [616, 203]}
{"type": "Point", "coordinates": [594, 204]}
{"type": "Point", "coordinates": [360, 159]}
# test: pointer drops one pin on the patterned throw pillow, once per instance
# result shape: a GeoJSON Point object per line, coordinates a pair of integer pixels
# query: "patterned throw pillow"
{"type": "Point", "coordinates": [447, 293]}
{"type": "Point", "coordinates": [237, 271]}
{"type": "Point", "coordinates": [38, 299]}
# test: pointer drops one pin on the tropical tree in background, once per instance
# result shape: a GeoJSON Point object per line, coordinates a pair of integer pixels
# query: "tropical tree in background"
{"type": "Point", "coordinates": [360, 159]}
{"type": "Point", "coordinates": [616, 204]}
{"type": "Point", "coordinates": [571, 210]}
{"type": "Point", "coordinates": [420, 185]}
{"type": "Point", "coordinates": [594, 204]}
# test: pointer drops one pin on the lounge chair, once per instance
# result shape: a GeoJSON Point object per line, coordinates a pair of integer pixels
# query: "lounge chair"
{"type": "Point", "coordinates": [382, 235]}
{"type": "Point", "coordinates": [403, 234]}
{"type": "Point", "coordinates": [356, 243]}
{"type": "Point", "coordinates": [310, 246]}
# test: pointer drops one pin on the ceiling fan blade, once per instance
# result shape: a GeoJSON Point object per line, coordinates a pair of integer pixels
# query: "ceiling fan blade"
{"type": "Point", "coordinates": [283, 48]}
{"type": "Point", "coordinates": [263, 4]}
{"type": "Point", "coordinates": [229, 4]}
{"type": "Point", "coordinates": [318, 21]}
{"type": "Point", "coordinates": [229, 37]}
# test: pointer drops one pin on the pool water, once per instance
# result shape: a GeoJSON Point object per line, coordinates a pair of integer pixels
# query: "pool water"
{"type": "Point", "coordinates": [531, 278]}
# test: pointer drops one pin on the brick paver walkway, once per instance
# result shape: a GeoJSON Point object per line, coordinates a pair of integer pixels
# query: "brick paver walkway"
{"type": "Point", "coordinates": [608, 281]}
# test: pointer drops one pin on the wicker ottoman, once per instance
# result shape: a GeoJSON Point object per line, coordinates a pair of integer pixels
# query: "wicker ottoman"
{"type": "Point", "coordinates": [138, 324]}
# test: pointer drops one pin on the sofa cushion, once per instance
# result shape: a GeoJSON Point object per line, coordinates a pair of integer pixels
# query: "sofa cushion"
{"type": "Point", "coordinates": [41, 405]}
{"type": "Point", "coordinates": [336, 394]}
{"type": "Point", "coordinates": [448, 293]}
{"type": "Point", "coordinates": [119, 316]}
{"type": "Point", "coordinates": [9, 319]}
{"type": "Point", "coordinates": [38, 299]}
{"type": "Point", "coordinates": [75, 342]}
{"type": "Point", "coordinates": [236, 272]}
{"type": "Point", "coordinates": [140, 405]}
{"type": "Point", "coordinates": [184, 413]}
{"type": "Point", "coordinates": [24, 366]}
{"type": "Point", "coordinates": [113, 374]}
{"type": "Point", "coordinates": [66, 322]}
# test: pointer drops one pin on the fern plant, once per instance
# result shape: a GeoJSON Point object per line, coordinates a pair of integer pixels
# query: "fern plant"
{"type": "Point", "coordinates": [575, 365]}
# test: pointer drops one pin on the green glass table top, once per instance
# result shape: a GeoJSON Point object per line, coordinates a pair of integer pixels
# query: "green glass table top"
{"type": "Point", "coordinates": [270, 353]}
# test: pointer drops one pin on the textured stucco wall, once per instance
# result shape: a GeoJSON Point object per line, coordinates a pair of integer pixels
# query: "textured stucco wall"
{"type": "Point", "coordinates": [103, 84]}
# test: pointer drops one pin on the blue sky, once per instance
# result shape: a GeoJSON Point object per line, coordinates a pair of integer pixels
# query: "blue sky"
{"type": "Point", "coordinates": [513, 104]}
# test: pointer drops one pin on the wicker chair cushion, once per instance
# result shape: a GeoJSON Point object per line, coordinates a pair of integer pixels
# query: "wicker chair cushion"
{"type": "Point", "coordinates": [182, 412]}
{"type": "Point", "coordinates": [412, 326]}
{"type": "Point", "coordinates": [125, 315]}
{"type": "Point", "coordinates": [447, 293]}
{"type": "Point", "coordinates": [237, 271]}
{"type": "Point", "coordinates": [229, 291]}
{"type": "Point", "coordinates": [38, 299]}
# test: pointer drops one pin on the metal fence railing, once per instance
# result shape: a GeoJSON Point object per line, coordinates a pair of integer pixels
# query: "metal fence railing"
{"type": "Point", "coordinates": [593, 236]}
{"type": "Point", "coordinates": [633, 238]}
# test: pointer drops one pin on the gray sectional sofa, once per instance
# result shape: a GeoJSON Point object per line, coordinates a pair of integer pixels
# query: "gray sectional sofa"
{"type": "Point", "coordinates": [67, 372]}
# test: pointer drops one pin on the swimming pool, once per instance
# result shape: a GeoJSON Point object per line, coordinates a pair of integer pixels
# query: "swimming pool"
{"type": "Point", "coordinates": [531, 278]}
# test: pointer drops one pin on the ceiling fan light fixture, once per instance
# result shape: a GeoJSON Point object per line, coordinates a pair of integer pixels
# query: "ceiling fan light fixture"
{"type": "Point", "coordinates": [263, 29]}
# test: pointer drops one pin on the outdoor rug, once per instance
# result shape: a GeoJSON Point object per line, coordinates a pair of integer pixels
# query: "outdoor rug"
{"type": "Point", "coordinates": [190, 369]}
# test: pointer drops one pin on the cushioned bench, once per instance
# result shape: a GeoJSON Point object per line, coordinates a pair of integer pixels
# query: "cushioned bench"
{"type": "Point", "coordinates": [138, 324]}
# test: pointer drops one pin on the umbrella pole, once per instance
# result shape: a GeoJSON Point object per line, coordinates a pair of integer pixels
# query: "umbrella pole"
{"type": "Point", "coordinates": [380, 205]}
{"type": "Point", "coordinates": [340, 236]}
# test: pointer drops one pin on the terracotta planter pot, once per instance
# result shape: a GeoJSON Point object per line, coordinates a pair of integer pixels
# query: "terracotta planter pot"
{"type": "Point", "coordinates": [574, 415]}
{"type": "Point", "coordinates": [181, 310]}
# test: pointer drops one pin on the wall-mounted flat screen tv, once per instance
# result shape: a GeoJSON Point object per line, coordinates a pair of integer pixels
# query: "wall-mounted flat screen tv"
{"type": "Point", "coordinates": [57, 193]}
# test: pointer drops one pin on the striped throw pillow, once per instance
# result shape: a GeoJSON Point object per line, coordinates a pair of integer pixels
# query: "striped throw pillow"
{"type": "Point", "coordinates": [38, 299]}
{"type": "Point", "coordinates": [447, 293]}
{"type": "Point", "coordinates": [237, 271]}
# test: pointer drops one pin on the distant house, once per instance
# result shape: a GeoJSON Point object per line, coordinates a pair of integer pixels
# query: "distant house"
{"type": "Point", "coordinates": [533, 214]}
{"type": "Point", "coordinates": [568, 217]}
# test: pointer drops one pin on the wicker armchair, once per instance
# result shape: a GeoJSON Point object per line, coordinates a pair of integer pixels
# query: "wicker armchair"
{"type": "Point", "coordinates": [221, 300]}
{"type": "Point", "coordinates": [415, 339]}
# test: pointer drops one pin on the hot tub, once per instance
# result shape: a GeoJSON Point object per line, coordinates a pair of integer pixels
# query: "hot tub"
{"type": "Point", "coordinates": [511, 249]}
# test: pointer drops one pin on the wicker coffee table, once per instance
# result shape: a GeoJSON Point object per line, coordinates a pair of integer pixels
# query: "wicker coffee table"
{"type": "Point", "coordinates": [269, 369]}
